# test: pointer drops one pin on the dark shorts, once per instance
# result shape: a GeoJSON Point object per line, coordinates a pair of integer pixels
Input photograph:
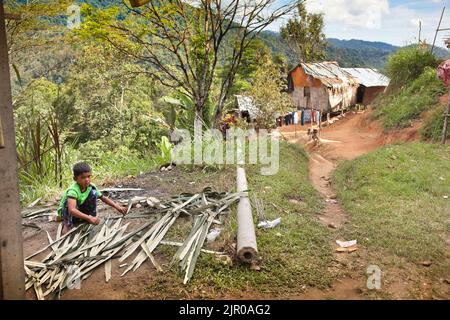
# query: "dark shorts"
{"type": "Point", "coordinates": [89, 207]}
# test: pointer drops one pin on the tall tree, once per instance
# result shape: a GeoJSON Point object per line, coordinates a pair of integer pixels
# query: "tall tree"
{"type": "Point", "coordinates": [36, 45]}
{"type": "Point", "coordinates": [304, 35]}
{"type": "Point", "coordinates": [257, 54]}
{"type": "Point", "coordinates": [268, 95]}
{"type": "Point", "coordinates": [37, 23]}
{"type": "Point", "coordinates": [182, 42]}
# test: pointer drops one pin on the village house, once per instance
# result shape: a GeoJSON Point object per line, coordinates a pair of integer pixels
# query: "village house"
{"type": "Point", "coordinates": [371, 84]}
{"type": "Point", "coordinates": [328, 88]}
{"type": "Point", "coordinates": [321, 86]}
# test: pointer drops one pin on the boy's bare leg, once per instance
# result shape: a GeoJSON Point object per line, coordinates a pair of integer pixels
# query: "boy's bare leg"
{"type": "Point", "coordinates": [65, 229]}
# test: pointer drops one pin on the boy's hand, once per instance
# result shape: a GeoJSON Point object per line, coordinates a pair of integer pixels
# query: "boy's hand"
{"type": "Point", "coordinates": [94, 220]}
{"type": "Point", "coordinates": [121, 209]}
{"type": "Point", "coordinates": [116, 206]}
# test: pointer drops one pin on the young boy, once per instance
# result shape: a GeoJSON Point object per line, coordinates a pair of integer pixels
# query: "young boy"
{"type": "Point", "coordinates": [79, 202]}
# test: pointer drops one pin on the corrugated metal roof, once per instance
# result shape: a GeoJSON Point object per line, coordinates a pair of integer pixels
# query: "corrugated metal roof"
{"type": "Point", "coordinates": [368, 77]}
{"type": "Point", "coordinates": [245, 103]}
{"type": "Point", "coordinates": [329, 73]}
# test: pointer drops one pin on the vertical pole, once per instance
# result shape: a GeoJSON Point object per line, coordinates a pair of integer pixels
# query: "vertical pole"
{"type": "Point", "coordinates": [437, 30]}
{"type": "Point", "coordinates": [420, 29]}
{"type": "Point", "coordinates": [320, 124]}
{"type": "Point", "coordinates": [12, 278]}
{"type": "Point", "coordinates": [295, 125]}
{"type": "Point", "coordinates": [444, 131]}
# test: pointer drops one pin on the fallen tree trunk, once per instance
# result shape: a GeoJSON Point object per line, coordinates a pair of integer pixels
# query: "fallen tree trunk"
{"type": "Point", "coordinates": [246, 239]}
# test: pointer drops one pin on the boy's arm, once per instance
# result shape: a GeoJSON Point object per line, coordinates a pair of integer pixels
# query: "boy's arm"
{"type": "Point", "coordinates": [113, 204]}
{"type": "Point", "coordinates": [72, 206]}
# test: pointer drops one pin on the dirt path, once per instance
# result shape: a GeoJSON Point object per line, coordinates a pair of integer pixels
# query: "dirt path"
{"type": "Point", "coordinates": [346, 139]}
{"type": "Point", "coordinates": [351, 136]}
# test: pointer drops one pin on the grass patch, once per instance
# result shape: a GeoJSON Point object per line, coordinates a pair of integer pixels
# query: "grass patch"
{"type": "Point", "coordinates": [396, 110]}
{"type": "Point", "coordinates": [395, 199]}
{"type": "Point", "coordinates": [294, 255]}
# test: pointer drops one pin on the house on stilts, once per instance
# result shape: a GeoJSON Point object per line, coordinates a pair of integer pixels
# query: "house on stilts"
{"type": "Point", "coordinates": [328, 88]}
{"type": "Point", "coordinates": [321, 86]}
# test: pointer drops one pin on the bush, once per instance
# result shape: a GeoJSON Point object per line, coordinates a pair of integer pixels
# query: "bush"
{"type": "Point", "coordinates": [409, 63]}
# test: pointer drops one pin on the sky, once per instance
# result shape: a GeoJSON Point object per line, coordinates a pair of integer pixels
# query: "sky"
{"type": "Point", "coordinates": [392, 21]}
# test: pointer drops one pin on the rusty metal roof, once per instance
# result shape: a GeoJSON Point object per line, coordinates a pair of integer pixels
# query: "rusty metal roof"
{"type": "Point", "coordinates": [329, 73]}
{"type": "Point", "coordinates": [368, 77]}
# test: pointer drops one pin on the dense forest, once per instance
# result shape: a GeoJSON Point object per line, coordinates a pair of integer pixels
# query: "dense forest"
{"type": "Point", "coordinates": [94, 93]}
{"type": "Point", "coordinates": [106, 94]}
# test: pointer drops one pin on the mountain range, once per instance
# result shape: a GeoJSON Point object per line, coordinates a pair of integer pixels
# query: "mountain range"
{"type": "Point", "coordinates": [348, 53]}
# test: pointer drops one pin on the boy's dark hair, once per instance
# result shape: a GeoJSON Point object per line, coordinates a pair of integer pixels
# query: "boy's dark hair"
{"type": "Point", "coordinates": [80, 168]}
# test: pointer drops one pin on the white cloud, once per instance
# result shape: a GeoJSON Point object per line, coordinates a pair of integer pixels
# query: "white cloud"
{"type": "Point", "coordinates": [379, 20]}
{"type": "Point", "coordinates": [353, 13]}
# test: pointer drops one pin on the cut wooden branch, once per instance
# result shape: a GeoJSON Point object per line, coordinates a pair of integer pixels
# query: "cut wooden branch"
{"type": "Point", "coordinates": [120, 189]}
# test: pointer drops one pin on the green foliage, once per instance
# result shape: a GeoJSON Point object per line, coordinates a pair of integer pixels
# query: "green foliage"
{"type": "Point", "coordinates": [171, 42]}
{"type": "Point", "coordinates": [305, 35]}
{"type": "Point", "coordinates": [33, 138]}
{"type": "Point", "coordinates": [104, 113]}
{"type": "Point", "coordinates": [397, 110]}
{"type": "Point", "coordinates": [256, 55]}
{"type": "Point", "coordinates": [434, 124]}
{"type": "Point", "coordinates": [407, 64]}
{"type": "Point", "coordinates": [109, 98]}
{"type": "Point", "coordinates": [179, 111]}
{"type": "Point", "coordinates": [165, 148]}
{"type": "Point", "coordinates": [268, 96]}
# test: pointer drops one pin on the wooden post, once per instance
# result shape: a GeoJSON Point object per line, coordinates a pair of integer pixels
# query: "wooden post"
{"type": "Point", "coordinates": [12, 278]}
{"type": "Point", "coordinates": [320, 124]}
{"type": "Point", "coordinates": [446, 116]}
{"type": "Point", "coordinates": [295, 127]}
{"type": "Point", "coordinates": [420, 30]}
{"type": "Point", "coordinates": [2, 140]}
{"type": "Point", "coordinates": [437, 30]}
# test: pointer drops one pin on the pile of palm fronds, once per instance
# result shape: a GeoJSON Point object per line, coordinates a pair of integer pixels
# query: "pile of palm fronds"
{"type": "Point", "coordinates": [87, 247]}
{"type": "Point", "coordinates": [84, 247]}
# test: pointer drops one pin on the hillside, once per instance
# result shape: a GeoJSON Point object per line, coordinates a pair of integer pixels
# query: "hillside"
{"type": "Point", "coordinates": [349, 53]}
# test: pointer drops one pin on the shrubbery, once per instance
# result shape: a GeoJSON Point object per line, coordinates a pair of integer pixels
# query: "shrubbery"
{"type": "Point", "coordinates": [407, 64]}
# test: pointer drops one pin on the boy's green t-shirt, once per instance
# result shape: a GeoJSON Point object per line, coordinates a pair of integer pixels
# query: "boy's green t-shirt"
{"type": "Point", "coordinates": [74, 192]}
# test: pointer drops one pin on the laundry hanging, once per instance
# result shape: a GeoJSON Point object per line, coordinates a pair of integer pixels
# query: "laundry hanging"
{"type": "Point", "coordinates": [295, 117]}
{"type": "Point", "coordinates": [307, 115]}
